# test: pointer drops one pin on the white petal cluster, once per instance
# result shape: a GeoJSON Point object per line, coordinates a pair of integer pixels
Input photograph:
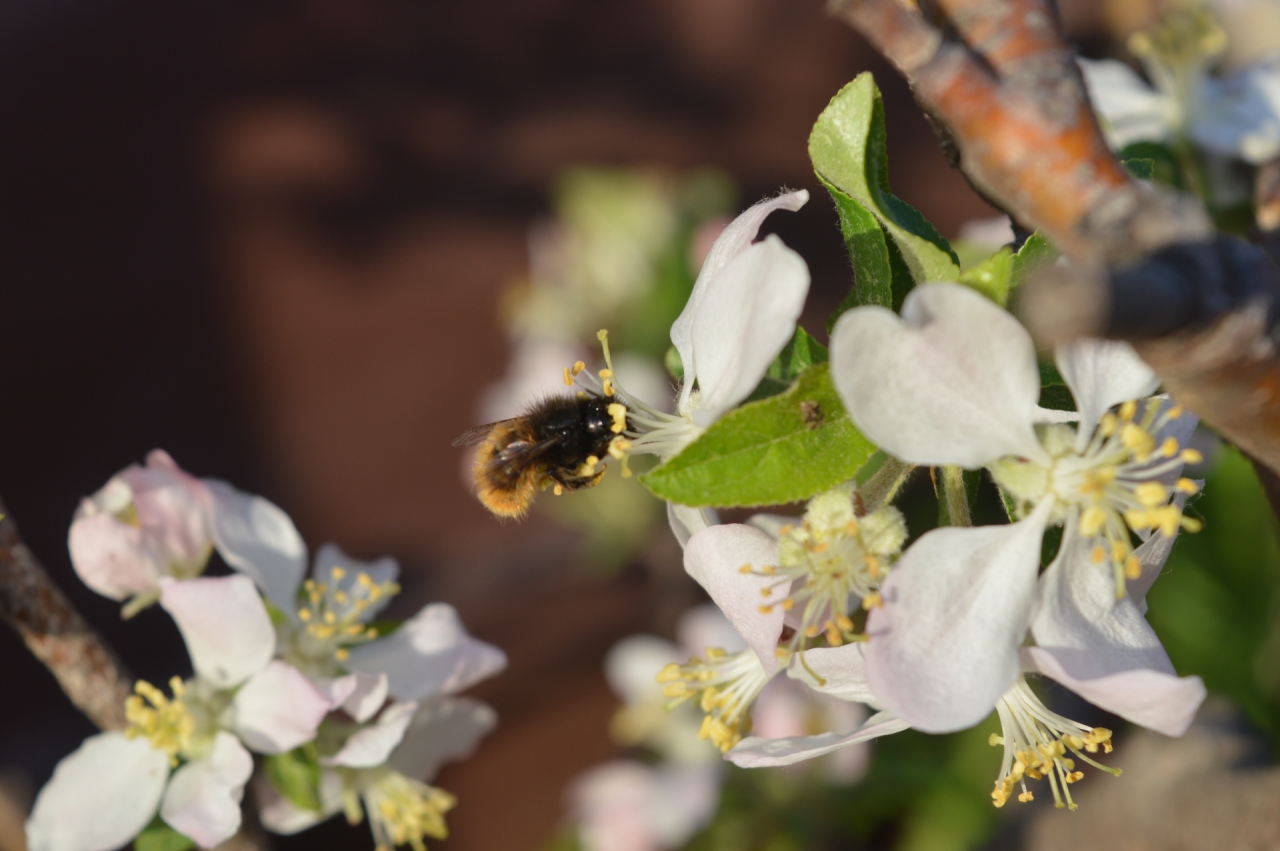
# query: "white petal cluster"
{"type": "Point", "coordinates": [275, 655]}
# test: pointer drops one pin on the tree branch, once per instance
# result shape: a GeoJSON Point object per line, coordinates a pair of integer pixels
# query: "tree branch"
{"type": "Point", "coordinates": [59, 637]}
{"type": "Point", "coordinates": [1148, 267]}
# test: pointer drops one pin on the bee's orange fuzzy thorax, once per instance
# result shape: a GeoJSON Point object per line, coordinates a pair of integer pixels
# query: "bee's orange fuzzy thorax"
{"type": "Point", "coordinates": [505, 500]}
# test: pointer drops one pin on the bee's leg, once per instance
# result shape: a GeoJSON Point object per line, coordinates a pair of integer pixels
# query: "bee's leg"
{"type": "Point", "coordinates": [574, 483]}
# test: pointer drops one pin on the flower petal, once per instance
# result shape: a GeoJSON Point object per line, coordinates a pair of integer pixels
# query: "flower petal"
{"type": "Point", "coordinates": [1102, 373]}
{"type": "Point", "coordinates": [944, 644]}
{"type": "Point", "coordinates": [383, 570]}
{"type": "Point", "coordinates": [172, 507]}
{"type": "Point", "coordinates": [258, 539]}
{"type": "Point", "coordinates": [746, 314]}
{"type": "Point", "coordinates": [101, 795]}
{"type": "Point", "coordinates": [757, 752]}
{"type": "Point", "coordinates": [1128, 109]}
{"type": "Point", "coordinates": [1102, 648]}
{"type": "Point", "coordinates": [447, 730]}
{"type": "Point", "coordinates": [111, 557]}
{"type": "Point", "coordinates": [706, 626]}
{"type": "Point", "coordinates": [203, 800]}
{"type": "Point", "coordinates": [843, 671]}
{"type": "Point", "coordinates": [362, 694]}
{"type": "Point", "coordinates": [954, 381]}
{"type": "Point", "coordinates": [685, 521]}
{"type": "Point", "coordinates": [631, 666]}
{"type": "Point", "coordinates": [430, 654]}
{"type": "Point", "coordinates": [715, 558]}
{"type": "Point", "coordinates": [736, 238]}
{"type": "Point", "coordinates": [371, 746]}
{"type": "Point", "coordinates": [278, 709]}
{"type": "Point", "coordinates": [227, 630]}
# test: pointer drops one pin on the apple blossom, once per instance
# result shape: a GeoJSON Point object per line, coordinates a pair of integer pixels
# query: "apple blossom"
{"type": "Point", "coordinates": [187, 757]}
{"type": "Point", "coordinates": [955, 381]}
{"type": "Point", "coordinates": [625, 805]}
{"type": "Point", "coordinates": [741, 313]}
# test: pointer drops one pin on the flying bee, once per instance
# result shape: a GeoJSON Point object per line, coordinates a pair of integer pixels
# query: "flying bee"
{"type": "Point", "coordinates": [559, 441]}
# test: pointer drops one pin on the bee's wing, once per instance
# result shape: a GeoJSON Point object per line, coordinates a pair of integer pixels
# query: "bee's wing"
{"type": "Point", "coordinates": [524, 452]}
{"type": "Point", "coordinates": [475, 435]}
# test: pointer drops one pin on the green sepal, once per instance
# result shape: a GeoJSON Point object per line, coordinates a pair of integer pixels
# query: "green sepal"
{"type": "Point", "coordinates": [1143, 168]}
{"type": "Point", "coordinates": [781, 449]}
{"type": "Point", "coordinates": [296, 776]}
{"type": "Point", "coordinates": [673, 364]}
{"type": "Point", "coordinates": [158, 836]}
{"type": "Point", "coordinates": [992, 276]}
{"type": "Point", "coordinates": [802, 352]}
{"type": "Point", "coordinates": [1054, 392]}
{"type": "Point", "coordinates": [386, 626]}
{"type": "Point", "coordinates": [1036, 252]}
{"type": "Point", "coordinates": [849, 151]}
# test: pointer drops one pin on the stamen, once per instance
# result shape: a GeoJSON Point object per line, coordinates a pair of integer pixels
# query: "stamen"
{"type": "Point", "coordinates": [725, 686]}
{"type": "Point", "coordinates": [167, 724]}
{"type": "Point", "coordinates": [404, 811]}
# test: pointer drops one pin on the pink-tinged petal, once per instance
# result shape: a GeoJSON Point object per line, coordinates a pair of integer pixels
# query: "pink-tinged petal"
{"type": "Point", "coordinates": [1102, 373]}
{"type": "Point", "coordinates": [381, 571]}
{"type": "Point", "coordinates": [956, 606]}
{"type": "Point", "coordinates": [1103, 649]}
{"type": "Point", "coordinates": [360, 695]}
{"type": "Point", "coordinates": [628, 806]}
{"type": "Point", "coordinates": [443, 731]}
{"type": "Point", "coordinates": [1152, 555]}
{"type": "Point", "coordinates": [685, 521]}
{"type": "Point", "coordinates": [371, 746]}
{"type": "Point", "coordinates": [715, 557]}
{"type": "Point", "coordinates": [430, 654]}
{"type": "Point", "coordinates": [226, 627]}
{"type": "Point", "coordinates": [111, 557]}
{"type": "Point", "coordinates": [746, 315]}
{"type": "Point", "coordinates": [258, 539]}
{"type": "Point", "coordinates": [632, 665]}
{"type": "Point", "coordinates": [685, 800]}
{"type": "Point", "coordinates": [279, 815]}
{"type": "Point", "coordinates": [843, 671]}
{"type": "Point", "coordinates": [100, 796]}
{"type": "Point", "coordinates": [278, 709]}
{"type": "Point", "coordinates": [733, 241]}
{"type": "Point", "coordinates": [1162, 702]}
{"type": "Point", "coordinates": [954, 381]}
{"type": "Point", "coordinates": [172, 506]}
{"type": "Point", "coordinates": [203, 800]}
{"type": "Point", "coordinates": [758, 752]}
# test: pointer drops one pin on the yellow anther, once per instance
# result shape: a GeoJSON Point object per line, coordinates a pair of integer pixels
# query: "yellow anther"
{"type": "Point", "coordinates": [845, 623]}
{"type": "Point", "coordinates": [618, 448]}
{"type": "Point", "coordinates": [342, 654]}
{"type": "Point", "coordinates": [745, 569]}
{"type": "Point", "coordinates": [788, 604]}
{"type": "Point", "coordinates": [1192, 456]}
{"type": "Point", "coordinates": [304, 615]}
{"type": "Point", "coordinates": [764, 610]}
{"type": "Point", "coordinates": [330, 618]}
{"type": "Point", "coordinates": [559, 489]}
{"type": "Point", "coordinates": [812, 631]}
{"type": "Point", "coordinates": [1175, 412]}
{"type": "Point", "coordinates": [1107, 425]}
{"type": "Point", "coordinates": [165, 723]}
{"type": "Point", "coordinates": [364, 580]}
{"type": "Point", "coordinates": [606, 373]}
{"type": "Point", "coordinates": [1187, 486]}
{"type": "Point", "coordinates": [618, 412]}
{"type": "Point", "coordinates": [1151, 494]}
{"type": "Point", "coordinates": [1137, 440]}
{"type": "Point", "coordinates": [1026, 797]}
{"type": "Point", "coordinates": [872, 601]}
{"type": "Point", "coordinates": [766, 592]}
{"type": "Point", "coordinates": [785, 529]}
{"type": "Point", "coordinates": [606, 387]}
{"type": "Point", "coordinates": [1092, 520]}
{"type": "Point", "coordinates": [715, 653]}
{"type": "Point", "coordinates": [1190, 524]}
{"type": "Point", "coordinates": [669, 673]}
{"type": "Point", "coordinates": [568, 378]}
{"type": "Point", "coordinates": [1098, 555]}
{"type": "Point", "coordinates": [355, 629]}
{"type": "Point", "coordinates": [336, 573]}
{"type": "Point", "coordinates": [578, 367]}
{"type": "Point", "coordinates": [1132, 567]}
{"type": "Point", "coordinates": [1128, 410]}
{"type": "Point", "coordinates": [1169, 448]}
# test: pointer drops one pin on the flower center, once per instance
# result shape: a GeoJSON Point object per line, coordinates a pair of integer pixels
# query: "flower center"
{"type": "Point", "coordinates": [831, 561]}
{"type": "Point", "coordinates": [1114, 486]}
{"type": "Point", "coordinates": [167, 724]}
{"type": "Point", "coordinates": [1178, 51]}
{"type": "Point", "coordinates": [332, 617]}
{"type": "Point", "coordinates": [404, 811]}
{"type": "Point", "coordinates": [1036, 743]}
{"type": "Point", "coordinates": [725, 684]}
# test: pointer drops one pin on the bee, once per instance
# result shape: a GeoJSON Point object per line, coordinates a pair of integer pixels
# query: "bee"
{"type": "Point", "coordinates": [559, 441]}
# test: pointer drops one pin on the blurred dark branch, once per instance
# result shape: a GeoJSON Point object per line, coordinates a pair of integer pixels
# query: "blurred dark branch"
{"type": "Point", "coordinates": [59, 637]}
{"type": "Point", "coordinates": [77, 656]}
{"type": "Point", "coordinates": [1146, 263]}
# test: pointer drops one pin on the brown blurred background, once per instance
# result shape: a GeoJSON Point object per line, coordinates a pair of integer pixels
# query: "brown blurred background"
{"type": "Point", "coordinates": [269, 237]}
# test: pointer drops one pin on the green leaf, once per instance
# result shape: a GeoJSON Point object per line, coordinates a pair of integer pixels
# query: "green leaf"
{"type": "Point", "coordinates": [802, 352]}
{"type": "Point", "coordinates": [781, 449]}
{"type": "Point", "coordinates": [992, 276]}
{"type": "Point", "coordinates": [849, 151]}
{"type": "Point", "coordinates": [1034, 253]}
{"type": "Point", "coordinates": [865, 241]}
{"type": "Point", "coordinates": [1165, 167]}
{"type": "Point", "coordinates": [158, 836]}
{"type": "Point", "coordinates": [1054, 393]}
{"type": "Point", "coordinates": [1143, 168]}
{"type": "Point", "coordinates": [296, 776]}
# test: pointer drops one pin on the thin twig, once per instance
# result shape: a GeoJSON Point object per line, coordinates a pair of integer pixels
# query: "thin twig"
{"type": "Point", "coordinates": [59, 637]}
